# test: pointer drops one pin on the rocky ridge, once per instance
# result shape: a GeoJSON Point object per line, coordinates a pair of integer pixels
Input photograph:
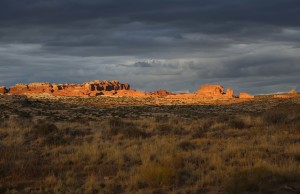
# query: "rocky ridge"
{"type": "Point", "coordinates": [114, 88]}
{"type": "Point", "coordinates": [94, 88]}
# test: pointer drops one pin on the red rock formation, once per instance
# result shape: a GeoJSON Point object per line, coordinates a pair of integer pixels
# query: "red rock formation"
{"type": "Point", "coordinates": [3, 90]}
{"type": "Point", "coordinates": [40, 88]}
{"type": "Point", "coordinates": [282, 96]}
{"type": "Point", "coordinates": [113, 88]}
{"type": "Point", "coordinates": [244, 95]}
{"type": "Point", "coordinates": [160, 93]}
{"type": "Point", "coordinates": [131, 93]}
{"type": "Point", "coordinates": [229, 93]}
{"type": "Point", "coordinates": [19, 89]}
{"type": "Point", "coordinates": [214, 91]}
{"type": "Point", "coordinates": [94, 88]}
{"type": "Point", "coordinates": [32, 88]}
{"type": "Point", "coordinates": [210, 91]}
{"type": "Point", "coordinates": [292, 92]}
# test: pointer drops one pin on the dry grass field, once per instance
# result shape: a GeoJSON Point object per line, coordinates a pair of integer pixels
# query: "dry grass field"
{"type": "Point", "coordinates": [127, 145]}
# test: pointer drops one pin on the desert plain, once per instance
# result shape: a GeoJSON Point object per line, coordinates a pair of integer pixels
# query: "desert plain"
{"type": "Point", "coordinates": [104, 137]}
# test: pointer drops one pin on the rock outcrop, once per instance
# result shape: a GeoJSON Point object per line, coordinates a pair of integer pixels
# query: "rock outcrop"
{"type": "Point", "coordinates": [244, 95]}
{"type": "Point", "coordinates": [3, 90]}
{"type": "Point", "coordinates": [210, 91]}
{"type": "Point", "coordinates": [93, 88]}
{"type": "Point", "coordinates": [229, 93]}
{"type": "Point", "coordinates": [292, 92]}
{"type": "Point", "coordinates": [114, 88]}
{"type": "Point", "coordinates": [160, 93]}
{"type": "Point", "coordinates": [214, 91]}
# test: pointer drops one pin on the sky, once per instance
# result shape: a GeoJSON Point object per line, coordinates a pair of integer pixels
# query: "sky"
{"type": "Point", "coordinates": [246, 45]}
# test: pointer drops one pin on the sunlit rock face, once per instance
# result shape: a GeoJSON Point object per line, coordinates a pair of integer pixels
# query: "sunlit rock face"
{"type": "Point", "coordinates": [293, 92]}
{"type": "Point", "coordinates": [214, 91]}
{"type": "Point", "coordinates": [114, 88]}
{"type": "Point", "coordinates": [93, 88]}
{"type": "Point", "coordinates": [160, 93]}
{"type": "Point", "coordinates": [244, 95]}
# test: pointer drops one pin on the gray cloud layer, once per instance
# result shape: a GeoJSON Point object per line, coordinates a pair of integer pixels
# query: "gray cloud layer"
{"type": "Point", "coordinates": [248, 45]}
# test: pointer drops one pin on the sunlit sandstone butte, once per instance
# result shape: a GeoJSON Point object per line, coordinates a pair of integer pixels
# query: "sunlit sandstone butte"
{"type": "Point", "coordinates": [113, 88]}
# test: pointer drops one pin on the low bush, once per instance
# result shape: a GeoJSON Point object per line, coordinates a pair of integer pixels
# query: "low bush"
{"type": "Point", "coordinates": [254, 180]}
{"type": "Point", "coordinates": [156, 175]}
{"type": "Point", "coordinates": [237, 123]}
{"type": "Point", "coordinates": [44, 128]}
{"type": "Point", "coordinates": [273, 117]}
{"type": "Point", "coordinates": [187, 145]}
{"type": "Point", "coordinates": [126, 129]}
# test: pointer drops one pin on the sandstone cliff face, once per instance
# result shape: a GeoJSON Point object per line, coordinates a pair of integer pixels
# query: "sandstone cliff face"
{"type": "Point", "coordinates": [214, 91]}
{"type": "Point", "coordinates": [244, 95]}
{"type": "Point", "coordinates": [210, 91]}
{"type": "Point", "coordinates": [229, 93]}
{"type": "Point", "coordinates": [3, 90]}
{"type": "Point", "coordinates": [93, 88]}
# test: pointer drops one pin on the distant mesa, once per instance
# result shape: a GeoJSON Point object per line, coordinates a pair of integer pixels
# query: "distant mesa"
{"type": "Point", "coordinates": [114, 88]}
{"type": "Point", "coordinates": [94, 88]}
{"type": "Point", "coordinates": [160, 93]}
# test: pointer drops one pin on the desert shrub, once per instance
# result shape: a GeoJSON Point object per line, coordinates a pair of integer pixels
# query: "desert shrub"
{"type": "Point", "coordinates": [254, 180]}
{"type": "Point", "coordinates": [230, 121]}
{"type": "Point", "coordinates": [237, 123]}
{"type": "Point", "coordinates": [17, 122]}
{"type": "Point", "coordinates": [184, 176]}
{"type": "Point", "coordinates": [206, 125]}
{"type": "Point", "coordinates": [274, 117]}
{"type": "Point", "coordinates": [49, 133]}
{"type": "Point", "coordinates": [200, 130]}
{"type": "Point", "coordinates": [163, 129]}
{"type": "Point", "coordinates": [73, 132]}
{"type": "Point", "coordinates": [187, 145]}
{"type": "Point", "coordinates": [54, 139]}
{"type": "Point", "coordinates": [167, 129]}
{"type": "Point", "coordinates": [199, 133]}
{"type": "Point", "coordinates": [156, 175]}
{"type": "Point", "coordinates": [159, 119]}
{"type": "Point", "coordinates": [44, 128]}
{"type": "Point", "coordinates": [133, 132]}
{"type": "Point", "coordinates": [116, 123]}
{"type": "Point", "coordinates": [124, 128]}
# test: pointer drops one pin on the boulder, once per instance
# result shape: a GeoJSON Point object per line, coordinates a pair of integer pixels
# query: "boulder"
{"type": "Point", "coordinates": [244, 95]}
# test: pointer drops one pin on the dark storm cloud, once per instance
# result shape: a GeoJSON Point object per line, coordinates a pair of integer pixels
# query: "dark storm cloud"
{"type": "Point", "coordinates": [282, 12]}
{"type": "Point", "coordinates": [177, 44]}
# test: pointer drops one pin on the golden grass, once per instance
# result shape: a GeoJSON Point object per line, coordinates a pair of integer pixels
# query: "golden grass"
{"type": "Point", "coordinates": [248, 153]}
